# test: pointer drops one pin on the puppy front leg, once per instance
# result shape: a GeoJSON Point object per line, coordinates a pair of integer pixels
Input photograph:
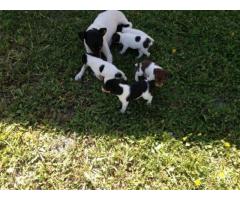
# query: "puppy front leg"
{"type": "Point", "coordinates": [124, 49]}
{"type": "Point", "coordinates": [124, 106]}
{"type": "Point", "coordinates": [80, 74]}
{"type": "Point", "coordinates": [145, 51]}
{"type": "Point", "coordinates": [107, 52]}
{"type": "Point", "coordinates": [140, 53]}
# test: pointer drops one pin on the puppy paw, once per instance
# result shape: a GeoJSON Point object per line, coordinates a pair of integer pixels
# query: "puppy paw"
{"type": "Point", "coordinates": [138, 57]}
{"type": "Point", "coordinates": [149, 103]}
{"type": "Point", "coordinates": [77, 77]}
{"type": "Point", "coordinates": [148, 54]}
{"type": "Point", "coordinates": [122, 111]}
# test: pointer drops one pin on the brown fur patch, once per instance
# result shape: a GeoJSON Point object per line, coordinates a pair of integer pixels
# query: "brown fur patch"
{"type": "Point", "coordinates": [145, 64]}
{"type": "Point", "coordinates": [161, 76]}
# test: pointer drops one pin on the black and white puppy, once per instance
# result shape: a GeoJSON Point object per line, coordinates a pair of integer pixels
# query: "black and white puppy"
{"type": "Point", "coordinates": [98, 36]}
{"type": "Point", "coordinates": [127, 93]}
{"type": "Point", "coordinates": [141, 42]}
{"type": "Point", "coordinates": [103, 70]}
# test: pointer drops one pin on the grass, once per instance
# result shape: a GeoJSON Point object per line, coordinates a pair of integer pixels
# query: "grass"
{"type": "Point", "coordinates": [56, 133]}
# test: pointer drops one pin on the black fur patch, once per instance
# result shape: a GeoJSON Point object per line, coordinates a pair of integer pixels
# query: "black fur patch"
{"type": "Point", "coordinates": [137, 38]}
{"type": "Point", "coordinates": [113, 87]}
{"type": "Point", "coordinates": [118, 75]}
{"type": "Point", "coordinates": [84, 58]}
{"type": "Point", "coordinates": [94, 40]}
{"type": "Point", "coordinates": [146, 43]}
{"type": "Point", "coordinates": [101, 68]}
{"type": "Point", "coordinates": [115, 38]}
{"type": "Point", "coordinates": [120, 27]}
{"type": "Point", "coordinates": [141, 78]}
{"type": "Point", "coordinates": [136, 89]}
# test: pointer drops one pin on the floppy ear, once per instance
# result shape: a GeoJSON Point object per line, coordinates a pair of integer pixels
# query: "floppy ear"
{"type": "Point", "coordinates": [82, 35]}
{"type": "Point", "coordinates": [102, 31]}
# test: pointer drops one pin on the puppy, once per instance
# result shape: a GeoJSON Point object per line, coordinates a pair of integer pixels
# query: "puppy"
{"type": "Point", "coordinates": [97, 37]}
{"type": "Point", "coordinates": [127, 93]}
{"type": "Point", "coordinates": [125, 29]}
{"type": "Point", "coordinates": [151, 71]}
{"type": "Point", "coordinates": [134, 41]}
{"type": "Point", "coordinates": [103, 70]}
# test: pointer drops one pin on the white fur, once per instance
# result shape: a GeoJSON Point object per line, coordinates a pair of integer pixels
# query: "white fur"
{"type": "Point", "coordinates": [136, 32]}
{"type": "Point", "coordinates": [128, 41]}
{"type": "Point", "coordinates": [110, 20]}
{"type": "Point", "coordinates": [94, 63]}
{"type": "Point", "coordinates": [148, 72]}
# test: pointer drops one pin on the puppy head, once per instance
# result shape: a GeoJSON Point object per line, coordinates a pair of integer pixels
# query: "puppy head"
{"type": "Point", "coordinates": [94, 39]}
{"type": "Point", "coordinates": [116, 38]}
{"type": "Point", "coordinates": [112, 86]}
{"type": "Point", "coordinates": [161, 76]}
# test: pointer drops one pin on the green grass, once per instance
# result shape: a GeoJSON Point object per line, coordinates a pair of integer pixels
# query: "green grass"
{"type": "Point", "coordinates": [56, 133]}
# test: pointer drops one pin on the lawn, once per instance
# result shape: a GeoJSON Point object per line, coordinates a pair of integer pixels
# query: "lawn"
{"type": "Point", "coordinates": [56, 133]}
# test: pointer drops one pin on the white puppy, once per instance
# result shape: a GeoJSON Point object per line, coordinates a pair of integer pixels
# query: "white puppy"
{"type": "Point", "coordinates": [103, 70]}
{"type": "Point", "coordinates": [134, 41]}
{"type": "Point", "coordinates": [127, 93]}
{"type": "Point", "coordinates": [97, 38]}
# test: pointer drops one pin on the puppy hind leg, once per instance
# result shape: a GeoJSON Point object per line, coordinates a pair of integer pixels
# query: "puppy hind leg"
{"type": "Point", "coordinates": [124, 106]}
{"type": "Point", "coordinates": [124, 49]}
{"type": "Point", "coordinates": [147, 96]}
{"type": "Point", "coordinates": [140, 54]}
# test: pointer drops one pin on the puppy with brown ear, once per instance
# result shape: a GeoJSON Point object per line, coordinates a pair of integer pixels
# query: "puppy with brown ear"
{"type": "Point", "coordinates": [151, 71]}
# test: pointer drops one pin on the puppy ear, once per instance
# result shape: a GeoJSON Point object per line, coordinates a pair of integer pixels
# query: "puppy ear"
{"type": "Point", "coordinates": [82, 35]}
{"type": "Point", "coordinates": [102, 31]}
{"type": "Point", "coordinates": [84, 58]}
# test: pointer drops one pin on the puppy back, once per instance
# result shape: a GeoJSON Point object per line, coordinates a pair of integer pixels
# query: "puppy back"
{"type": "Point", "coordinates": [113, 86]}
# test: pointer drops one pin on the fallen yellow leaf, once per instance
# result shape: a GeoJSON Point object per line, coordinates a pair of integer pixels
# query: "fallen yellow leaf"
{"type": "Point", "coordinates": [174, 50]}
{"type": "Point", "coordinates": [227, 144]}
